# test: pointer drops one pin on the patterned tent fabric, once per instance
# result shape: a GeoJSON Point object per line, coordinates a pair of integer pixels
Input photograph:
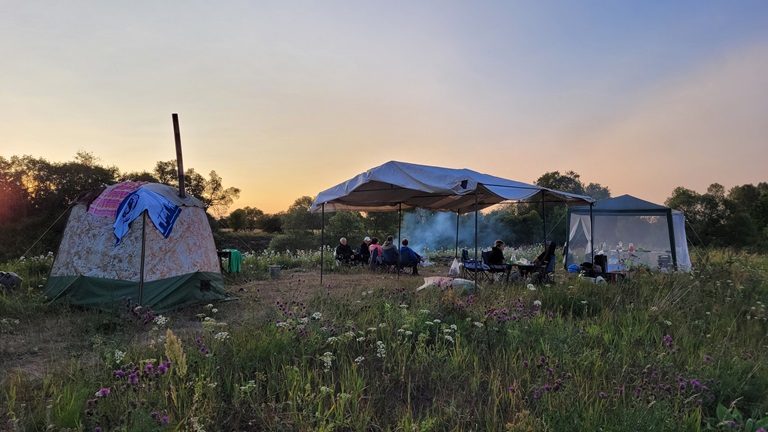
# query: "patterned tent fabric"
{"type": "Point", "coordinates": [107, 203]}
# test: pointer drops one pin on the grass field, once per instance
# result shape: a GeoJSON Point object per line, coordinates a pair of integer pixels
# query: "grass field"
{"type": "Point", "coordinates": [365, 352]}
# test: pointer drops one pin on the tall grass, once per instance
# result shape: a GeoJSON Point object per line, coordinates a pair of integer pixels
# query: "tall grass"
{"type": "Point", "coordinates": [659, 352]}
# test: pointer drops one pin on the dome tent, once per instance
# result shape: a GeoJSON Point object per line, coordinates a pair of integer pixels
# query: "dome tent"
{"type": "Point", "coordinates": [139, 241]}
{"type": "Point", "coordinates": [656, 233]}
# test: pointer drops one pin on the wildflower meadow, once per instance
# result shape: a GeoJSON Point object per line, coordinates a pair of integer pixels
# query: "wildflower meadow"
{"type": "Point", "coordinates": [365, 351]}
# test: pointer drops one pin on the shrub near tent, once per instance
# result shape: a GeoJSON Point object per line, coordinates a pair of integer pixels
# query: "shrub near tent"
{"type": "Point", "coordinates": [93, 269]}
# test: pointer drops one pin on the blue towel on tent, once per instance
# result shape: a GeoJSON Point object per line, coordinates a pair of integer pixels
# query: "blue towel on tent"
{"type": "Point", "coordinates": [161, 211]}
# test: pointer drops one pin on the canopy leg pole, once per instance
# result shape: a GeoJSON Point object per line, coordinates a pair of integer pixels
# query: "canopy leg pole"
{"type": "Point", "coordinates": [399, 235]}
{"type": "Point", "coordinates": [544, 222]}
{"type": "Point", "coordinates": [592, 234]}
{"type": "Point", "coordinates": [456, 248]}
{"type": "Point", "coordinates": [476, 263]}
{"type": "Point", "coordinates": [322, 242]}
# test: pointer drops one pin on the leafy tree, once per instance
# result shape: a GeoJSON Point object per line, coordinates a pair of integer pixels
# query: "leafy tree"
{"type": "Point", "coordinates": [210, 192]}
{"type": "Point", "coordinates": [245, 218]}
{"type": "Point", "coordinates": [568, 182]}
{"type": "Point", "coordinates": [13, 195]}
{"type": "Point", "coordinates": [270, 223]}
{"type": "Point", "coordinates": [139, 176]}
{"type": "Point", "coordinates": [299, 218]}
{"type": "Point", "coordinates": [345, 224]}
{"type": "Point", "coordinates": [380, 224]}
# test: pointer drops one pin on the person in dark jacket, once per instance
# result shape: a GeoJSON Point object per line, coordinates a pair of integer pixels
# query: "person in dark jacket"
{"type": "Point", "coordinates": [409, 258]}
{"type": "Point", "coordinates": [496, 258]}
{"type": "Point", "coordinates": [365, 253]}
{"type": "Point", "coordinates": [389, 252]}
{"type": "Point", "coordinates": [344, 252]}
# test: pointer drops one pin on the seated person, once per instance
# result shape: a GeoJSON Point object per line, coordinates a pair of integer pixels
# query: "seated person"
{"type": "Point", "coordinates": [379, 254]}
{"type": "Point", "coordinates": [409, 258]}
{"type": "Point", "coordinates": [496, 258]}
{"type": "Point", "coordinates": [547, 255]}
{"type": "Point", "coordinates": [364, 254]}
{"type": "Point", "coordinates": [344, 252]}
{"type": "Point", "coordinates": [389, 251]}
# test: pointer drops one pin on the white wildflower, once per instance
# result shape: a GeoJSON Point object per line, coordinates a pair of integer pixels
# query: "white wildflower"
{"type": "Point", "coordinates": [327, 359]}
{"type": "Point", "coordinates": [531, 287]}
{"type": "Point", "coordinates": [359, 360]}
{"type": "Point", "coordinates": [221, 336]}
{"type": "Point", "coordinates": [119, 356]}
{"type": "Point", "coordinates": [478, 324]}
{"type": "Point", "coordinates": [537, 302]}
{"type": "Point", "coordinates": [381, 349]}
{"type": "Point", "coordinates": [449, 338]}
{"type": "Point", "coordinates": [161, 320]}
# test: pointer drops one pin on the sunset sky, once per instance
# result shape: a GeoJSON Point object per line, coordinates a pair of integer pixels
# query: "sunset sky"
{"type": "Point", "coordinates": [288, 98]}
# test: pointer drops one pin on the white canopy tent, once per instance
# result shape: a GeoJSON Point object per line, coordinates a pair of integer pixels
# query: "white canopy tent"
{"type": "Point", "coordinates": [397, 186]}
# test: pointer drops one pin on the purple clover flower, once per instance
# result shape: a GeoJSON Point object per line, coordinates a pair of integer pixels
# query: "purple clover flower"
{"type": "Point", "coordinates": [133, 378]}
{"type": "Point", "coordinates": [667, 339]}
{"type": "Point", "coordinates": [148, 368]}
{"type": "Point", "coordinates": [537, 394]}
{"type": "Point", "coordinates": [602, 395]}
{"type": "Point", "coordinates": [103, 392]}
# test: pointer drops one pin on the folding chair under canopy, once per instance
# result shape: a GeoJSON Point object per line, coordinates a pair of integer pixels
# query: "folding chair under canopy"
{"type": "Point", "coordinates": [397, 186]}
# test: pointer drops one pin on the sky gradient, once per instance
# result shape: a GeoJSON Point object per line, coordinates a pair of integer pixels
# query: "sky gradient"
{"type": "Point", "coordinates": [288, 98]}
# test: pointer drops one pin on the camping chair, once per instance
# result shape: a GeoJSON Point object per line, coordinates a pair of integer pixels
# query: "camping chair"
{"type": "Point", "coordinates": [494, 269]}
{"type": "Point", "coordinates": [391, 260]}
{"type": "Point", "coordinates": [376, 262]}
{"type": "Point", "coordinates": [545, 272]}
{"type": "Point", "coordinates": [469, 267]}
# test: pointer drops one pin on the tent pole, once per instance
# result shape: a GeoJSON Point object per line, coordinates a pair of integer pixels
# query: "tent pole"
{"type": "Point", "coordinates": [399, 235]}
{"type": "Point", "coordinates": [592, 233]}
{"type": "Point", "coordinates": [322, 242]}
{"type": "Point", "coordinates": [544, 221]}
{"type": "Point", "coordinates": [476, 263]}
{"type": "Point", "coordinates": [143, 253]}
{"type": "Point", "coordinates": [671, 228]}
{"type": "Point", "coordinates": [456, 248]}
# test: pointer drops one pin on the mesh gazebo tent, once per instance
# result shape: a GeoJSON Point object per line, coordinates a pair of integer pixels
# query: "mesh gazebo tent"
{"type": "Point", "coordinates": [656, 233]}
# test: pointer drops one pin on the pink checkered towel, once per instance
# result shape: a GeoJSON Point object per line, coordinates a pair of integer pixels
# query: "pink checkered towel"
{"type": "Point", "coordinates": [106, 204]}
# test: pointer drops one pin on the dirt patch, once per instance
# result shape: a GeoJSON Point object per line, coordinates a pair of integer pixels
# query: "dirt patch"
{"type": "Point", "coordinates": [42, 343]}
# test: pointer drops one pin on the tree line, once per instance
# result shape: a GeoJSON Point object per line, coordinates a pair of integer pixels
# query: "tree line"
{"type": "Point", "coordinates": [35, 193]}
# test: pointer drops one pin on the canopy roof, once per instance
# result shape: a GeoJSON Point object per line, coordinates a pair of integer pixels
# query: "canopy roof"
{"type": "Point", "coordinates": [396, 185]}
{"type": "Point", "coordinates": [624, 204]}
